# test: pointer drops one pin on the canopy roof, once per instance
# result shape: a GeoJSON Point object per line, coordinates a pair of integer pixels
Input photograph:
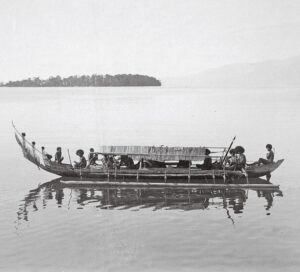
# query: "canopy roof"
{"type": "Point", "coordinates": [157, 153]}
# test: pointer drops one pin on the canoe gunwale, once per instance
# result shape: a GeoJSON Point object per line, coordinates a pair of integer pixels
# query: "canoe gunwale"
{"type": "Point", "coordinates": [67, 171]}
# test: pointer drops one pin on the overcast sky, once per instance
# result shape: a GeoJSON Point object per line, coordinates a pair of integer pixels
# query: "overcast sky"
{"type": "Point", "coordinates": [158, 37]}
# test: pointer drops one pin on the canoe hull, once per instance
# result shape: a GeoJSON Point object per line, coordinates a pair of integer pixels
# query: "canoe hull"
{"type": "Point", "coordinates": [65, 170]}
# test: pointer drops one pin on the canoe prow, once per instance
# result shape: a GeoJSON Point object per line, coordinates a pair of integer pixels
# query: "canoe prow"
{"type": "Point", "coordinates": [265, 169]}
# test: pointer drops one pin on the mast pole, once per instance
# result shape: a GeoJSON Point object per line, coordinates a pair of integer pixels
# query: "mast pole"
{"type": "Point", "coordinates": [228, 150]}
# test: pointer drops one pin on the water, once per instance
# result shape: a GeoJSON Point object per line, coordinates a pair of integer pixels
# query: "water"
{"type": "Point", "coordinates": [45, 226]}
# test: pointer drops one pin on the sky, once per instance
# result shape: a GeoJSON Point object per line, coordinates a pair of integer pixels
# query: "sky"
{"type": "Point", "coordinates": [162, 38]}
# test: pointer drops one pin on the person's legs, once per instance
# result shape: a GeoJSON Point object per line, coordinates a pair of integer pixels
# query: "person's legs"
{"type": "Point", "coordinates": [263, 161]}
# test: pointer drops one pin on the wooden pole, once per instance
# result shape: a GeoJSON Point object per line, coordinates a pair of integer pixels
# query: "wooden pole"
{"type": "Point", "coordinates": [189, 177]}
{"type": "Point", "coordinates": [69, 157]}
{"type": "Point", "coordinates": [166, 175]}
{"type": "Point", "coordinates": [245, 174]}
{"type": "Point", "coordinates": [228, 150]}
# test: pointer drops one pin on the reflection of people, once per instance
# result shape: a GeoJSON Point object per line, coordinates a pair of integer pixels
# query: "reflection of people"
{"type": "Point", "coordinates": [268, 196]}
{"type": "Point", "coordinates": [82, 161]}
{"type": "Point", "coordinates": [207, 164]}
{"type": "Point", "coordinates": [58, 156]}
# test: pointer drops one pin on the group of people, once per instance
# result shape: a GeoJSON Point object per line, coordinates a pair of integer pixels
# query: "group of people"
{"type": "Point", "coordinates": [108, 161]}
{"type": "Point", "coordinates": [235, 161]}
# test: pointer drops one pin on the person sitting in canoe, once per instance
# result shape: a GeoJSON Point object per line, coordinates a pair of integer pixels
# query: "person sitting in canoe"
{"type": "Point", "coordinates": [58, 156]}
{"type": "Point", "coordinates": [270, 156]}
{"type": "Point", "coordinates": [231, 161]}
{"type": "Point", "coordinates": [154, 164]}
{"type": "Point", "coordinates": [240, 158]}
{"type": "Point", "coordinates": [117, 162]}
{"type": "Point", "coordinates": [92, 157]}
{"type": "Point", "coordinates": [82, 162]}
{"type": "Point", "coordinates": [183, 164]}
{"type": "Point", "coordinates": [127, 161]}
{"type": "Point", "coordinates": [207, 164]}
{"type": "Point", "coordinates": [45, 155]}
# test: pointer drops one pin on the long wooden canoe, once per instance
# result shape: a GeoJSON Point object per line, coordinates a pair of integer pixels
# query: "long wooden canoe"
{"type": "Point", "coordinates": [190, 175]}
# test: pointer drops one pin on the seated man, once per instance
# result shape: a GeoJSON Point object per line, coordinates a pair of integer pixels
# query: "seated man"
{"type": "Point", "coordinates": [45, 155]}
{"type": "Point", "coordinates": [269, 156]}
{"type": "Point", "coordinates": [58, 156]}
{"type": "Point", "coordinates": [240, 158]}
{"type": "Point", "coordinates": [127, 161]}
{"type": "Point", "coordinates": [93, 157]}
{"type": "Point", "coordinates": [82, 162]}
{"type": "Point", "coordinates": [231, 161]}
{"type": "Point", "coordinates": [183, 164]}
{"type": "Point", "coordinates": [154, 164]}
{"type": "Point", "coordinates": [207, 164]}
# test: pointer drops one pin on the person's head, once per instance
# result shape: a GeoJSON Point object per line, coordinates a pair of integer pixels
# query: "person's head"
{"type": "Point", "coordinates": [33, 143]}
{"type": "Point", "coordinates": [58, 149]}
{"type": "Point", "coordinates": [79, 152]}
{"type": "Point", "coordinates": [43, 148]}
{"type": "Point", "coordinates": [232, 151]}
{"type": "Point", "coordinates": [92, 150]}
{"type": "Point", "coordinates": [269, 147]}
{"type": "Point", "coordinates": [207, 151]}
{"type": "Point", "coordinates": [23, 134]}
{"type": "Point", "coordinates": [239, 149]}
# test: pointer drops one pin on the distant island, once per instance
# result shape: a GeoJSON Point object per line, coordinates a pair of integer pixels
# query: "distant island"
{"type": "Point", "coordinates": [86, 81]}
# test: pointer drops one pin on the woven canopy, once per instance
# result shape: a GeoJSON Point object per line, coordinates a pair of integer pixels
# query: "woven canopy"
{"type": "Point", "coordinates": [157, 153]}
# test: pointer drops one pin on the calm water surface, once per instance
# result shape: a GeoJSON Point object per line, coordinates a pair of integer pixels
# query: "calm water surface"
{"type": "Point", "coordinates": [45, 226]}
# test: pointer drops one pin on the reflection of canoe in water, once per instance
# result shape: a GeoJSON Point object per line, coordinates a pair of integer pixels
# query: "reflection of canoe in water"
{"type": "Point", "coordinates": [169, 176]}
{"type": "Point", "coordinates": [111, 197]}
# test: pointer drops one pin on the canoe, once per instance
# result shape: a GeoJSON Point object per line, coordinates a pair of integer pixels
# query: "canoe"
{"type": "Point", "coordinates": [165, 175]}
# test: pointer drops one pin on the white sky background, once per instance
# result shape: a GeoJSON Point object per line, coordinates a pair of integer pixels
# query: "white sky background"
{"type": "Point", "coordinates": [159, 37]}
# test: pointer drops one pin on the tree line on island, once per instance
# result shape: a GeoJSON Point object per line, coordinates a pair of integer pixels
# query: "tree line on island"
{"type": "Point", "coordinates": [86, 81]}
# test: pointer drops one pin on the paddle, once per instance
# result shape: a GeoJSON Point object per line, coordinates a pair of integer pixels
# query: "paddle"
{"type": "Point", "coordinates": [228, 150]}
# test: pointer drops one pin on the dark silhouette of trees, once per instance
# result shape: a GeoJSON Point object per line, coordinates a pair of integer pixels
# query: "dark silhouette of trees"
{"type": "Point", "coordinates": [86, 81]}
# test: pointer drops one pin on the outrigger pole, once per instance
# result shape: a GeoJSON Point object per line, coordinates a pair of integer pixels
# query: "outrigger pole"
{"type": "Point", "coordinates": [228, 150]}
